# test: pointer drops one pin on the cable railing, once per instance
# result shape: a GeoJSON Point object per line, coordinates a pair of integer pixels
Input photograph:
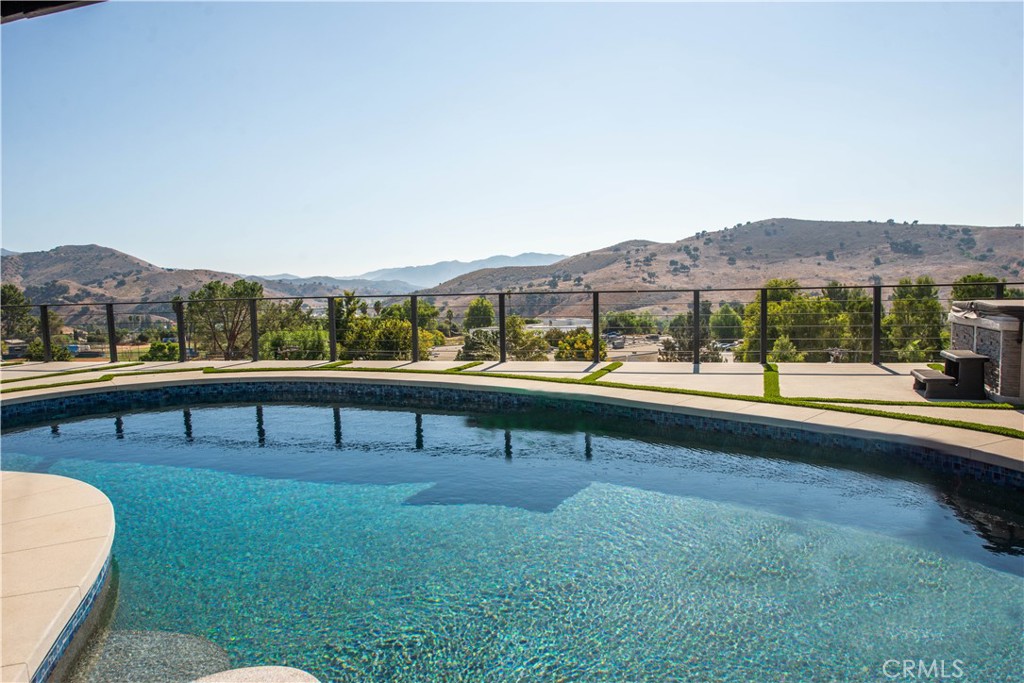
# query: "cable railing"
{"type": "Point", "coordinates": [876, 324]}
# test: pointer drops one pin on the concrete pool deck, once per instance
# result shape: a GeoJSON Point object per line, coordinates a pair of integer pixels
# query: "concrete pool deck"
{"type": "Point", "coordinates": [809, 380]}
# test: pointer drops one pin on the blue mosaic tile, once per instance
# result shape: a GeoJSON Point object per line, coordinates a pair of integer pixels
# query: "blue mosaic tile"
{"type": "Point", "coordinates": [60, 646]}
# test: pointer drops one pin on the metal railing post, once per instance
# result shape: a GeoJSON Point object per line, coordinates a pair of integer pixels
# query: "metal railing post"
{"type": "Point", "coordinates": [502, 333]}
{"type": "Point", "coordinates": [179, 318]}
{"type": "Point", "coordinates": [696, 327]}
{"type": "Point", "coordinates": [332, 330]}
{"type": "Point", "coordinates": [876, 325]}
{"type": "Point", "coordinates": [1000, 290]}
{"type": "Point", "coordinates": [764, 327]}
{"type": "Point", "coordinates": [111, 333]}
{"type": "Point", "coordinates": [596, 329]}
{"type": "Point", "coordinates": [254, 328]}
{"type": "Point", "coordinates": [414, 317]}
{"type": "Point", "coordinates": [44, 328]}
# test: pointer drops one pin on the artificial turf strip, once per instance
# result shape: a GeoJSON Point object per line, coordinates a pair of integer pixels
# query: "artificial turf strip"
{"type": "Point", "coordinates": [79, 371]}
{"type": "Point", "coordinates": [598, 374]}
{"type": "Point", "coordinates": [771, 381]}
{"type": "Point", "coordinates": [467, 366]}
{"type": "Point", "coordinates": [101, 378]}
{"type": "Point", "coordinates": [918, 404]}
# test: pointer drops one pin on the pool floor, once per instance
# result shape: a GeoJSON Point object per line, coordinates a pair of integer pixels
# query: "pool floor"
{"type": "Point", "coordinates": [439, 547]}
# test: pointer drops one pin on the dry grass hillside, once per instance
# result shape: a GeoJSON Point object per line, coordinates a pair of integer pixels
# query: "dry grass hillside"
{"type": "Point", "coordinates": [746, 256]}
{"type": "Point", "coordinates": [80, 273]}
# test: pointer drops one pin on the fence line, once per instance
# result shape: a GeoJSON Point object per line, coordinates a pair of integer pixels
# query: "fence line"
{"type": "Point", "coordinates": [689, 335]}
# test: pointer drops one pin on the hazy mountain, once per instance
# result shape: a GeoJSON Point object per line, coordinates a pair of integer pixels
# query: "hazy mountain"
{"type": "Point", "coordinates": [320, 285]}
{"type": "Point", "coordinates": [746, 256]}
{"type": "Point", "coordinates": [279, 276]}
{"type": "Point", "coordinates": [7, 252]}
{"type": "Point", "coordinates": [430, 275]}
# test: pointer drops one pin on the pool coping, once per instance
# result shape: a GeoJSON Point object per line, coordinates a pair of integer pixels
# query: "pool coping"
{"type": "Point", "coordinates": [980, 447]}
{"type": "Point", "coordinates": [46, 602]}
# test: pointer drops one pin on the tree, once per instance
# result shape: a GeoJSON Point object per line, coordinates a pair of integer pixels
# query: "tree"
{"type": "Point", "coordinates": [630, 322]}
{"type": "Point", "coordinates": [522, 344]}
{"type": "Point", "coordinates": [159, 350]}
{"type": "Point", "coordinates": [479, 314]}
{"type": "Point", "coordinates": [426, 313]}
{"type": "Point", "coordinates": [977, 286]}
{"type": "Point", "coordinates": [915, 321]}
{"type": "Point", "coordinates": [726, 324]}
{"type": "Point", "coordinates": [679, 346]}
{"type": "Point", "coordinates": [579, 345]}
{"type": "Point", "coordinates": [383, 338]}
{"type": "Point", "coordinates": [785, 351]}
{"type": "Point", "coordinates": [346, 308]}
{"type": "Point", "coordinates": [17, 321]}
{"type": "Point", "coordinates": [479, 345]}
{"type": "Point", "coordinates": [219, 314]}
{"type": "Point", "coordinates": [449, 326]}
{"type": "Point", "coordinates": [34, 351]}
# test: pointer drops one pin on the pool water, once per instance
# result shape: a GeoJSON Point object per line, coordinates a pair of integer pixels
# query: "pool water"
{"type": "Point", "coordinates": [370, 544]}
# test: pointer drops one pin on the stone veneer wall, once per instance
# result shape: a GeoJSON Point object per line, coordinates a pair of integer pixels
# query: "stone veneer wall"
{"type": "Point", "coordinates": [1002, 372]}
{"type": "Point", "coordinates": [45, 410]}
{"type": "Point", "coordinates": [961, 337]}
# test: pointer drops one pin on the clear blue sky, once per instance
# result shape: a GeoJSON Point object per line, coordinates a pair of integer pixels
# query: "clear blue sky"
{"type": "Point", "coordinates": [335, 138]}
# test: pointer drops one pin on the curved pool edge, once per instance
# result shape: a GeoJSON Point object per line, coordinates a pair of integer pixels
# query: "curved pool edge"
{"type": "Point", "coordinates": [979, 455]}
{"type": "Point", "coordinates": [57, 538]}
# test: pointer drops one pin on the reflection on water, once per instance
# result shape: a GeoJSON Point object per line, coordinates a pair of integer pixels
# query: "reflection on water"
{"type": "Point", "coordinates": [536, 461]}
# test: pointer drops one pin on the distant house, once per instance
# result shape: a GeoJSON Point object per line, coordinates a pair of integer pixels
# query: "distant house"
{"type": "Point", "coordinates": [16, 348]}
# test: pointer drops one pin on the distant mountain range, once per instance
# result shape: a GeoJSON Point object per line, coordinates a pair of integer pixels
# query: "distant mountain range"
{"type": "Point", "coordinates": [435, 274]}
{"type": "Point", "coordinates": [743, 256]}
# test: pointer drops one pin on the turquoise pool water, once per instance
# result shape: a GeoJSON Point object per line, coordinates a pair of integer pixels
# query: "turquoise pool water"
{"type": "Point", "coordinates": [365, 544]}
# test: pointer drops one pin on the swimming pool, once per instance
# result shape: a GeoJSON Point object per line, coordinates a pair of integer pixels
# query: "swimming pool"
{"type": "Point", "coordinates": [372, 544]}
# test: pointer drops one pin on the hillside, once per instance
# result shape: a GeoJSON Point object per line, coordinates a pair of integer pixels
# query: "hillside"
{"type": "Point", "coordinates": [745, 256]}
{"type": "Point", "coordinates": [431, 275]}
{"type": "Point", "coordinates": [76, 273]}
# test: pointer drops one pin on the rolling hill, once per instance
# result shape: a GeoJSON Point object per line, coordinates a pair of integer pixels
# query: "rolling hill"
{"type": "Point", "coordinates": [743, 256]}
{"type": "Point", "coordinates": [747, 255]}
{"type": "Point", "coordinates": [80, 273]}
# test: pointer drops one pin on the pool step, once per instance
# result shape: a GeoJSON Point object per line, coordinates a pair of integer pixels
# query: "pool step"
{"type": "Point", "coordinates": [151, 657]}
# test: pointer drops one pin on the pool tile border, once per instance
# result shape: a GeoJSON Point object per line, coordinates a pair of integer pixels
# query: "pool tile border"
{"type": "Point", "coordinates": [67, 635]}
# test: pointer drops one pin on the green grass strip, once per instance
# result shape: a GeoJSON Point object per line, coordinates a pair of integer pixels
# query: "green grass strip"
{"type": "Point", "coordinates": [79, 371]}
{"type": "Point", "coordinates": [101, 378]}
{"type": "Point", "coordinates": [771, 381]}
{"type": "Point", "coordinates": [598, 374]}
{"type": "Point", "coordinates": [937, 366]}
{"type": "Point", "coordinates": [467, 366]}
{"type": "Point", "coordinates": [920, 404]}
{"type": "Point", "coordinates": [11, 362]}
